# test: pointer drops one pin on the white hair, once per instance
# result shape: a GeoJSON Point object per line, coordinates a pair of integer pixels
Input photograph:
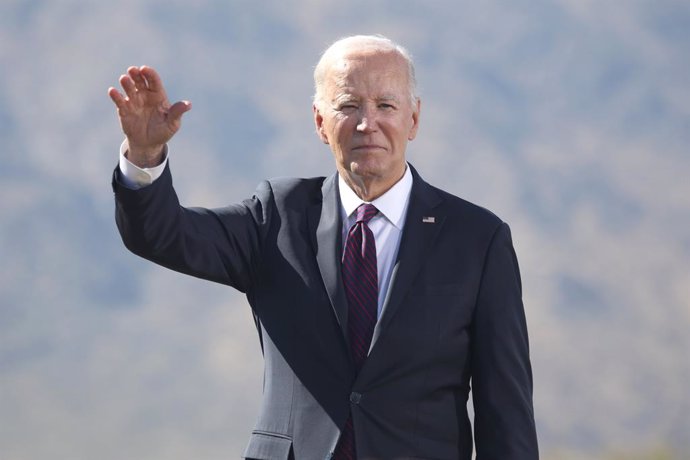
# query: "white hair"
{"type": "Point", "coordinates": [377, 42]}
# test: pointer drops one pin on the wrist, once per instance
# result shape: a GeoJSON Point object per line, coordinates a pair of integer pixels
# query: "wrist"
{"type": "Point", "coordinates": [147, 157]}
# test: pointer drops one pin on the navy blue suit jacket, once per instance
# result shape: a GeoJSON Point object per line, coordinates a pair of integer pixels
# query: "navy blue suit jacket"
{"type": "Point", "coordinates": [453, 318]}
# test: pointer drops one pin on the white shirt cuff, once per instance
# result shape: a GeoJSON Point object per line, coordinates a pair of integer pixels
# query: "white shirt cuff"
{"type": "Point", "coordinates": [133, 176]}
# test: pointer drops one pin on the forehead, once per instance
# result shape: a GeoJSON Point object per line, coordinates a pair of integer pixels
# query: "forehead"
{"type": "Point", "coordinates": [367, 70]}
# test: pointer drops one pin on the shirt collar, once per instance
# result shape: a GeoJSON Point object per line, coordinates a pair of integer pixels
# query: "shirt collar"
{"type": "Point", "coordinates": [391, 204]}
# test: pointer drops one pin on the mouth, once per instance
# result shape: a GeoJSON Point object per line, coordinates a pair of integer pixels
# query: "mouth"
{"type": "Point", "coordinates": [367, 148]}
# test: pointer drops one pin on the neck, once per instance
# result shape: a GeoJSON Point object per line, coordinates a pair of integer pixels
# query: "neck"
{"type": "Point", "coordinates": [369, 188]}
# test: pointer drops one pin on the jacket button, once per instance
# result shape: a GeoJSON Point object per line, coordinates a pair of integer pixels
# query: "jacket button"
{"type": "Point", "coordinates": [355, 397]}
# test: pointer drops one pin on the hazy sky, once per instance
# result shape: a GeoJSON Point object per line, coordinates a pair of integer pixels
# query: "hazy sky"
{"type": "Point", "coordinates": [570, 119]}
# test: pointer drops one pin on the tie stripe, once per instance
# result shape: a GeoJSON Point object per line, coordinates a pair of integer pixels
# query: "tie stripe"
{"type": "Point", "coordinates": [360, 278]}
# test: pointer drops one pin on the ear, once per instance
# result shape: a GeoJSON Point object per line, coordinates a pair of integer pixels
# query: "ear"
{"type": "Point", "coordinates": [415, 120]}
{"type": "Point", "coordinates": [318, 121]}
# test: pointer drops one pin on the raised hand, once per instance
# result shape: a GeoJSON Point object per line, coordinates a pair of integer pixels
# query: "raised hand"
{"type": "Point", "coordinates": [146, 116]}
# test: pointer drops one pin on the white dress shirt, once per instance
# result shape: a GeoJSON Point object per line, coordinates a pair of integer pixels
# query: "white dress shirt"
{"type": "Point", "coordinates": [387, 225]}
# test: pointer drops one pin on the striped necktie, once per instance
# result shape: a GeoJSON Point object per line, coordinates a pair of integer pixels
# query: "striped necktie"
{"type": "Point", "coordinates": [360, 278]}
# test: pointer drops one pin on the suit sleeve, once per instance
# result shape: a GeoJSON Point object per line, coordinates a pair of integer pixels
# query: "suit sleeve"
{"type": "Point", "coordinates": [221, 245]}
{"type": "Point", "coordinates": [501, 369]}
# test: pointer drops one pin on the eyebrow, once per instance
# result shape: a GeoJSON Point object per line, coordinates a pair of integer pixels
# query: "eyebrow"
{"type": "Point", "coordinates": [388, 97]}
{"type": "Point", "coordinates": [347, 97]}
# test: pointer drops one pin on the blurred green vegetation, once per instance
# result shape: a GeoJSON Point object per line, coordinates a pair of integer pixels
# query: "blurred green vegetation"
{"type": "Point", "coordinates": [658, 453]}
{"type": "Point", "coordinates": [654, 453]}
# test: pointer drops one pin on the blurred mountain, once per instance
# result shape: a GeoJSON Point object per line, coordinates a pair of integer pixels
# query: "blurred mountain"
{"type": "Point", "coordinates": [569, 119]}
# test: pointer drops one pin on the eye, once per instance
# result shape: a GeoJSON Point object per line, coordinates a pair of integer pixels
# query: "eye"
{"type": "Point", "coordinates": [348, 106]}
{"type": "Point", "coordinates": [386, 106]}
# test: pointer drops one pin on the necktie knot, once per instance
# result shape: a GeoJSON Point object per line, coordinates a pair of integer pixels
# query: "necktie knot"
{"type": "Point", "coordinates": [365, 212]}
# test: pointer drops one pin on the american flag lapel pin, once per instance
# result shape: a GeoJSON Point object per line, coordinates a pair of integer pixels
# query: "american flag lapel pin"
{"type": "Point", "coordinates": [429, 220]}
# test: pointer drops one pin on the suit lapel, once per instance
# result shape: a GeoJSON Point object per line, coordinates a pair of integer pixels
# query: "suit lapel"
{"type": "Point", "coordinates": [325, 223]}
{"type": "Point", "coordinates": [422, 225]}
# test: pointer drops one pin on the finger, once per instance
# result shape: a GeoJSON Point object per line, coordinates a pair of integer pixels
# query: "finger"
{"type": "Point", "coordinates": [177, 109]}
{"type": "Point", "coordinates": [117, 98]}
{"type": "Point", "coordinates": [137, 78]}
{"type": "Point", "coordinates": [153, 80]}
{"type": "Point", "coordinates": [128, 85]}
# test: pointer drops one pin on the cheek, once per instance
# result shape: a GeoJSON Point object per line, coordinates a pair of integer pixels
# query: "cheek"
{"type": "Point", "coordinates": [331, 132]}
{"type": "Point", "coordinates": [397, 135]}
{"type": "Point", "coordinates": [342, 131]}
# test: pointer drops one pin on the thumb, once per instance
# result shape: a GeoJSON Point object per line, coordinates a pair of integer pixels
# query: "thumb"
{"type": "Point", "coordinates": [177, 109]}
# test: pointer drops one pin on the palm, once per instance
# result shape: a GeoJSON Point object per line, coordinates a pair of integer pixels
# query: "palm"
{"type": "Point", "coordinates": [146, 116]}
{"type": "Point", "coordinates": [145, 121]}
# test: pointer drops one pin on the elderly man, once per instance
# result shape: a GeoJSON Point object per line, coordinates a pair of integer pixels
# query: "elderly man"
{"type": "Point", "coordinates": [378, 298]}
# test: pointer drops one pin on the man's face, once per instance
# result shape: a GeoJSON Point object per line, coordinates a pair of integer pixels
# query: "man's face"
{"type": "Point", "coordinates": [367, 116]}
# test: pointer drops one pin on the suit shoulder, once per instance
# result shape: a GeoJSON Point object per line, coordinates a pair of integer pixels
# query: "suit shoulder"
{"type": "Point", "coordinates": [455, 209]}
{"type": "Point", "coordinates": [297, 190]}
{"type": "Point", "coordinates": [467, 212]}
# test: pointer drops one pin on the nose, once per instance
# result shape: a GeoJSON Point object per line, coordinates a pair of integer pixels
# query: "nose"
{"type": "Point", "coordinates": [367, 120]}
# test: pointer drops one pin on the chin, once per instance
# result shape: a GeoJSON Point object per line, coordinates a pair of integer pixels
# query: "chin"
{"type": "Point", "coordinates": [366, 169]}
